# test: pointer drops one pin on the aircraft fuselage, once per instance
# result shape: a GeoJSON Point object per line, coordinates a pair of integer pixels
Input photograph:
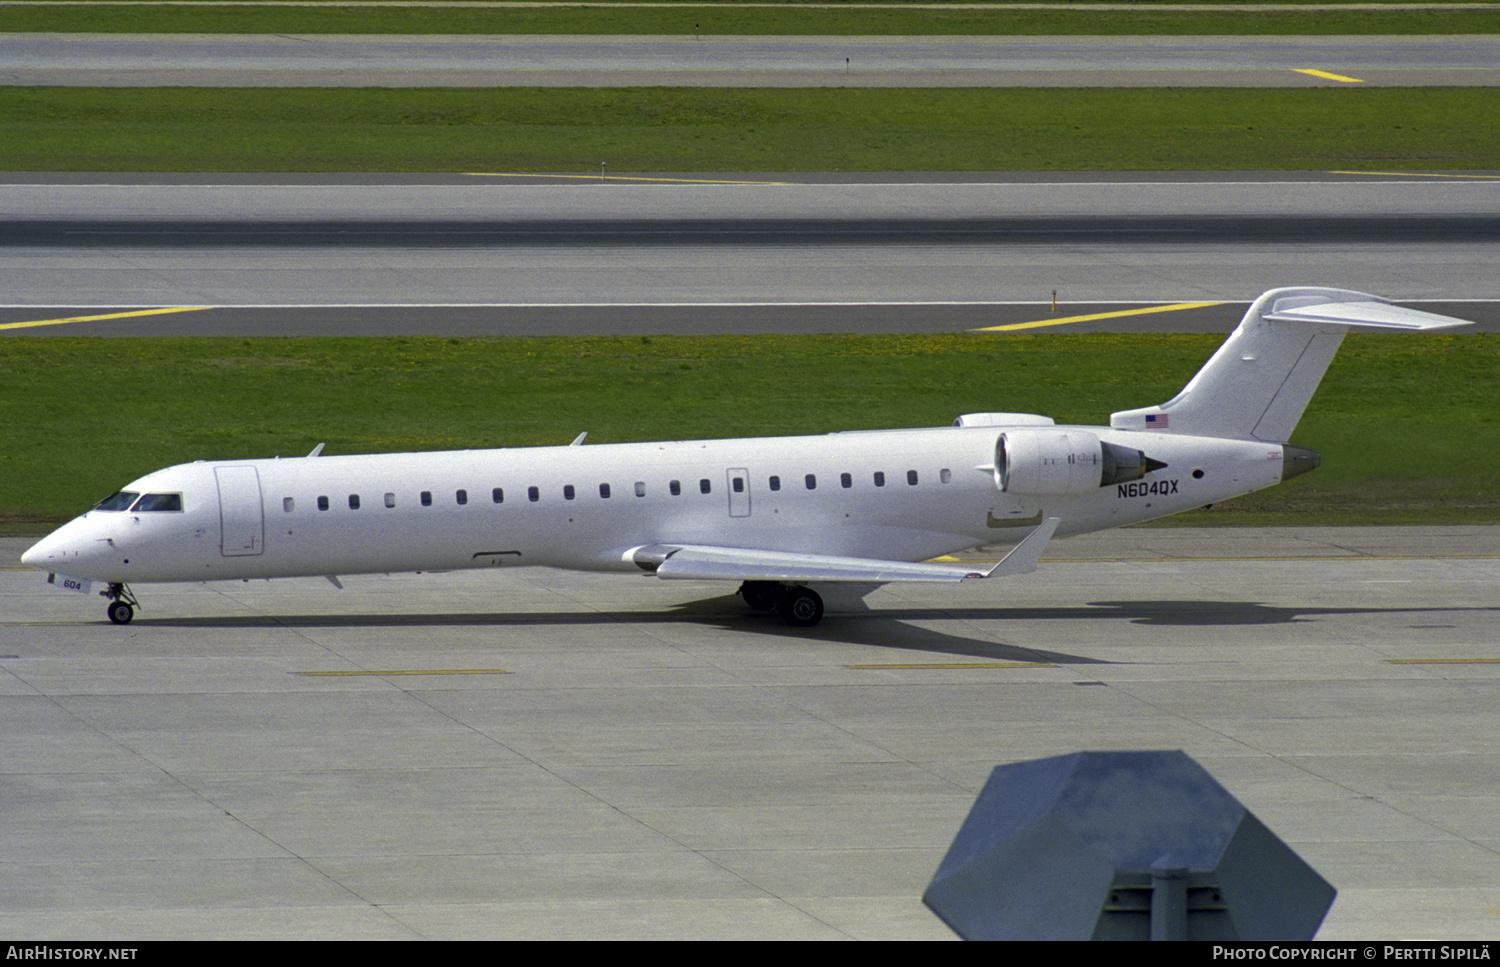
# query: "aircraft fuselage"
{"type": "Point", "coordinates": [894, 494]}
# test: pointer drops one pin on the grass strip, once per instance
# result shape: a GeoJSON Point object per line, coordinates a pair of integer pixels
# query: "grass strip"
{"type": "Point", "coordinates": [696, 129]}
{"type": "Point", "coordinates": [1385, 418]}
{"type": "Point", "coordinates": [730, 19]}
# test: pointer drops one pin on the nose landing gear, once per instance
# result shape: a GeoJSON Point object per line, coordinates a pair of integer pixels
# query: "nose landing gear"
{"type": "Point", "coordinates": [122, 603]}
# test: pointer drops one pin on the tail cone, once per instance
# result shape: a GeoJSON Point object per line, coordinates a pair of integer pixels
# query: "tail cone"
{"type": "Point", "coordinates": [1296, 461]}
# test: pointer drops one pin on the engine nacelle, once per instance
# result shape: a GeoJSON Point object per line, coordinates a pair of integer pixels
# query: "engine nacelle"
{"type": "Point", "coordinates": [1040, 462]}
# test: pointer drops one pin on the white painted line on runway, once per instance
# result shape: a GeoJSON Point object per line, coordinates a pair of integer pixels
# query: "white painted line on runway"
{"type": "Point", "coordinates": [577, 305]}
{"type": "Point", "coordinates": [1165, 305]}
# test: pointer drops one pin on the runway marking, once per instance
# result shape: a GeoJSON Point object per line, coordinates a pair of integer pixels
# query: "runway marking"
{"type": "Point", "coordinates": [1327, 76]}
{"type": "Point", "coordinates": [1443, 661]}
{"type": "Point", "coordinates": [602, 178]}
{"type": "Point", "coordinates": [976, 664]}
{"type": "Point", "coordinates": [112, 315]}
{"type": "Point", "coordinates": [1041, 323]}
{"type": "Point", "coordinates": [405, 671]}
{"type": "Point", "coordinates": [1414, 174]}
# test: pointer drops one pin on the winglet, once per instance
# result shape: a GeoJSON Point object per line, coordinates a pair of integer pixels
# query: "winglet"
{"type": "Point", "coordinates": [1023, 557]}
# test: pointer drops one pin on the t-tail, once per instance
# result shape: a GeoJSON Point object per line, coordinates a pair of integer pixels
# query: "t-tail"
{"type": "Point", "coordinates": [1259, 382]}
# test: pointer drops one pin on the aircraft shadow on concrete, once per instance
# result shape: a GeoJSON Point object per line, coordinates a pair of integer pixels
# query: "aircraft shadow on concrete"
{"type": "Point", "coordinates": [898, 628]}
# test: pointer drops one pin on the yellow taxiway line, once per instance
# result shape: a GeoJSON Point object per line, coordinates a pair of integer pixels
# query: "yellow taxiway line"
{"type": "Point", "coordinates": [600, 177]}
{"type": "Point", "coordinates": [955, 664]}
{"type": "Point", "coordinates": [1041, 323]}
{"type": "Point", "coordinates": [1327, 76]}
{"type": "Point", "coordinates": [1415, 174]}
{"type": "Point", "coordinates": [377, 673]}
{"type": "Point", "coordinates": [112, 315]}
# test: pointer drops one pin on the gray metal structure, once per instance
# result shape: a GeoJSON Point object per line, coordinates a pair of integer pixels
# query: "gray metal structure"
{"type": "Point", "coordinates": [1121, 846]}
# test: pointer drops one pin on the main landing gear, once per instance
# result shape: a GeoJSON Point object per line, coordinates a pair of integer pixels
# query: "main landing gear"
{"type": "Point", "coordinates": [122, 603]}
{"type": "Point", "coordinates": [799, 606]}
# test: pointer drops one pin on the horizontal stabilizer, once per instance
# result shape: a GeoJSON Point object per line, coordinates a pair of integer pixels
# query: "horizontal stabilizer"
{"type": "Point", "coordinates": [704, 563]}
{"type": "Point", "coordinates": [1376, 314]}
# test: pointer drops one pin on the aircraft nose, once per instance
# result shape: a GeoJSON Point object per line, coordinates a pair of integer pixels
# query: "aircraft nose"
{"type": "Point", "coordinates": [44, 553]}
{"type": "Point", "coordinates": [62, 549]}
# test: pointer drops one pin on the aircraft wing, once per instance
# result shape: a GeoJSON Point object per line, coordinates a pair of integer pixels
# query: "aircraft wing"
{"type": "Point", "coordinates": [702, 562]}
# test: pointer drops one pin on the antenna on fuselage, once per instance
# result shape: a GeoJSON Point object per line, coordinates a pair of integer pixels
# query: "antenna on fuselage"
{"type": "Point", "coordinates": [317, 450]}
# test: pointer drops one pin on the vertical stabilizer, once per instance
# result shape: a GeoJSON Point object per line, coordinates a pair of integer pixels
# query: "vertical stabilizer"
{"type": "Point", "coordinates": [1259, 382]}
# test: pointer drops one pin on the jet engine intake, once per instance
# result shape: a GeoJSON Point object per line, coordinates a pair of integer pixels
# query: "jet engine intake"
{"type": "Point", "coordinates": [1042, 462]}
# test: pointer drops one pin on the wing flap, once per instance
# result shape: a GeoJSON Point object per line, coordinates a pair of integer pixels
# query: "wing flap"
{"type": "Point", "coordinates": [702, 562]}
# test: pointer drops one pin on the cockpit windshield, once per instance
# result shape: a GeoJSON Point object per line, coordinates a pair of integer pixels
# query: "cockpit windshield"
{"type": "Point", "coordinates": [117, 501]}
{"type": "Point", "coordinates": [158, 502]}
{"type": "Point", "coordinates": [127, 500]}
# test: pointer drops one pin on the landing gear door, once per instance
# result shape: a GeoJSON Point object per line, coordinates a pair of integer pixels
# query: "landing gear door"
{"type": "Point", "coordinates": [242, 521]}
{"type": "Point", "coordinates": [739, 492]}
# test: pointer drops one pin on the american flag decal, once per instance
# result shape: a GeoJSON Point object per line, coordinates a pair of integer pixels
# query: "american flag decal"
{"type": "Point", "coordinates": [1156, 421]}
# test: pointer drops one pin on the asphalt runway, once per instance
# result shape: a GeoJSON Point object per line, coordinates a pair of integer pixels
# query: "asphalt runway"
{"type": "Point", "coordinates": [535, 754]}
{"type": "Point", "coordinates": [119, 60]}
{"type": "Point", "coordinates": [490, 255]}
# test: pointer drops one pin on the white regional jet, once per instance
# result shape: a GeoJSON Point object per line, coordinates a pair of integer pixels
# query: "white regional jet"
{"type": "Point", "coordinates": [784, 516]}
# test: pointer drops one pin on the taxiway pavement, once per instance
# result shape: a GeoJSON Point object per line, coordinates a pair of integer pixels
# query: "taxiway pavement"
{"type": "Point", "coordinates": [501, 255]}
{"type": "Point", "coordinates": [315, 60]}
{"type": "Point", "coordinates": [537, 754]}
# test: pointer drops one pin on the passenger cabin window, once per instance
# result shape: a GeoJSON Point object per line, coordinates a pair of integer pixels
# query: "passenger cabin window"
{"type": "Point", "coordinates": [117, 501]}
{"type": "Point", "coordinates": [152, 502]}
{"type": "Point", "coordinates": [354, 501]}
{"type": "Point", "coordinates": [846, 481]}
{"type": "Point", "coordinates": [462, 497]}
{"type": "Point", "coordinates": [705, 486]}
{"type": "Point", "coordinates": [675, 487]}
{"type": "Point", "coordinates": [640, 488]}
{"type": "Point", "coordinates": [774, 483]}
{"type": "Point", "coordinates": [945, 475]}
{"type": "Point", "coordinates": [497, 495]}
{"type": "Point", "coordinates": [426, 498]}
{"type": "Point", "coordinates": [533, 494]}
{"type": "Point", "coordinates": [322, 503]}
{"type": "Point", "coordinates": [880, 478]}
{"type": "Point", "coordinates": [604, 491]}
{"type": "Point", "coordinates": [390, 500]}
{"type": "Point", "coordinates": [568, 492]}
{"type": "Point", "coordinates": [911, 478]}
{"type": "Point", "coordinates": [812, 481]}
{"type": "Point", "coordinates": [288, 504]}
